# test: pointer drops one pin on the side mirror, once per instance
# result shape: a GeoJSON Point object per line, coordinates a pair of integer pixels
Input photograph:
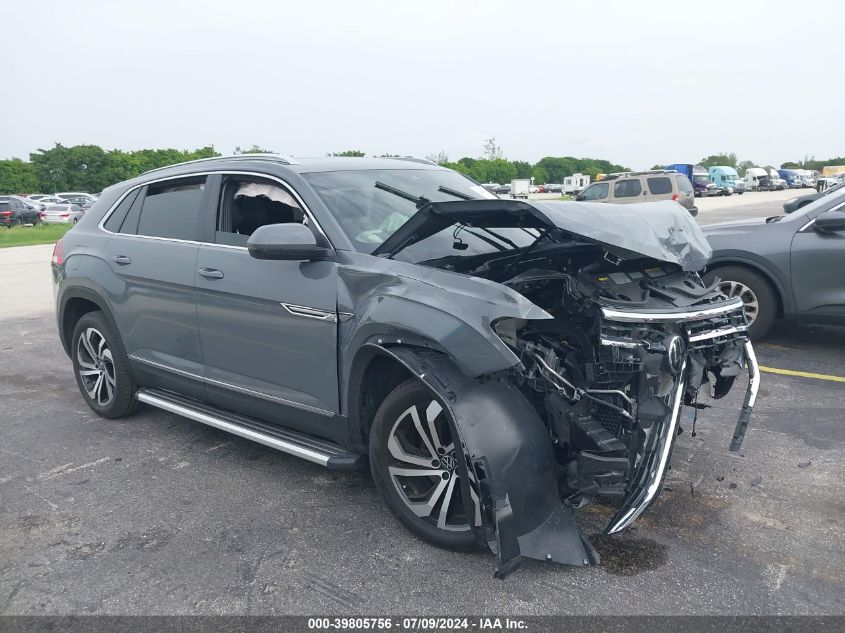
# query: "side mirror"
{"type": "Point", "coordinates": [294, 242]}
{"type": "Point", "coordinates": [830, 221]}
{"type": "Point", "coordinates": [579, 197]}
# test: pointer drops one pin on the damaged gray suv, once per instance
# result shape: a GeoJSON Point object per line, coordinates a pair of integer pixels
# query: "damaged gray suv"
{"type": "Point", "coordinates": [495, 362]}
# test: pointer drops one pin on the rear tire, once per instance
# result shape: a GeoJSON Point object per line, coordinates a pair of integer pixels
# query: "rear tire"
{"type": "Point", "coordinates": [758, 295]}
{"type": "Point", "coordinates": [402, 441]}
{"type": "Point", "coordinates": [101, 367]}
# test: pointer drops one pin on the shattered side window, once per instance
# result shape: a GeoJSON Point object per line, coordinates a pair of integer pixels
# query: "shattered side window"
{"type": "Point", "coordinates": [247, 203]}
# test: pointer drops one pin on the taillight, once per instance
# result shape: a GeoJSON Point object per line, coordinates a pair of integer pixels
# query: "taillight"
{"type": "Point", "coordinates": [675, 197]}
{"type": "Point", "coordinates": [65, 215]}
{"type": "Point", "coordinates": [5, 214]}
{"type": "Point", "coordinates": [57, 254]}
{"type": "Point", "coordinates": [43, 215]}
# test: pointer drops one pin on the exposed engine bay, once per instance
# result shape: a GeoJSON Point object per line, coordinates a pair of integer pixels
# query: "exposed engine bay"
{"type": "Point", "coordinates": [603, 384]}
{"type": "Point", "coordinates": [630, 344]}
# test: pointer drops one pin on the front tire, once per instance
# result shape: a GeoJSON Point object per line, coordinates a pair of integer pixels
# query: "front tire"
{"type": "Point", "coordinates": [101, 367]}
{"type": "Point", "coordinates": [413, 462]}
{"type": "Point", "coordinates": [756, 292]}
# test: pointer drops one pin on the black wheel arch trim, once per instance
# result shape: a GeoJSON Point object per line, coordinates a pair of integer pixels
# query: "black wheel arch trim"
{"type": "Point", "coordinates": [80, 292]}
{"type": "Point", "coordinates": [522, 515]}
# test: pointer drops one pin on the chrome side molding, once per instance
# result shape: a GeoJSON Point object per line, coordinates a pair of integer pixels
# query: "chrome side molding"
{"type": "Point", "coordinates": [310, 313]}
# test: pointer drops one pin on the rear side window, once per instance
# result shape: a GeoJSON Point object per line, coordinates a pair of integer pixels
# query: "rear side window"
{"type": "Point", "coordinates": [597, 191]}
{"type": "Point", "coordinates": [659, 185]}
{"type": "Point", "coordinates": [627, 188]}
{"type": "Point", "coordinates": [118, 215]}
{"type": "Point", "coordinates": [5, 206]}
{"type": "Point", "coordinates": [172, 209]}
{"type": "Point", "coordinates": [684, 185]}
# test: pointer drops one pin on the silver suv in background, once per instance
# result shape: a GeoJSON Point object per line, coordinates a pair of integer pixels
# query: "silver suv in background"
{"type": "Point", "coordinates": [642, 186]}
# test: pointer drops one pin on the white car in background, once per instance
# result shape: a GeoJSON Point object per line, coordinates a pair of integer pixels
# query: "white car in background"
{"type": "Point", "coordinates": [62, 213]}
{"type": "Point", "coordinates": [48, 200]}
{"type": "Point", "coordinates": [67, 195]}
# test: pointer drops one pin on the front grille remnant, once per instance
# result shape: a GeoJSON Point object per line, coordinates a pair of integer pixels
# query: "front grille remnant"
{"type": "Point", "coordinates": [703, 328]}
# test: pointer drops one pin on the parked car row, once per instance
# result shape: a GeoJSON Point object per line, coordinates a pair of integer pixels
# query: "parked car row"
{"type": "Point", "coordinates": [66, 207]}
{"type": "Point", "coordinates": [19, 211]}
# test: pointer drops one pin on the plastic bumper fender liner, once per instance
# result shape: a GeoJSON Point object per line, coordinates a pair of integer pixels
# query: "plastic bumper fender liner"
{"type": "Point", "coordinates": [508, 448]}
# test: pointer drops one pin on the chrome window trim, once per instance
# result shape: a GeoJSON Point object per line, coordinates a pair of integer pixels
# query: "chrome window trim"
{"type": "Point", "coordinates": [226, 385]}
{"type": "Point", "coordinates": [688, 315]}
{"type": "Point", "coordinates": [807, 225]}
{"type": "Point", "coordinates": [282, 182]}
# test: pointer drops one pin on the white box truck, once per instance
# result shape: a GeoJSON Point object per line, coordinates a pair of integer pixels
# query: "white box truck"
{"type": "Point", "coordinates": [575, 183]}
{"type": "Point", "coordinates": [520, 188]}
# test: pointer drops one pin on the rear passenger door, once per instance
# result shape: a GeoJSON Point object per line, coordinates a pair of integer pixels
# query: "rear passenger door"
{"type": "Point", "coordinates": [153, 255]}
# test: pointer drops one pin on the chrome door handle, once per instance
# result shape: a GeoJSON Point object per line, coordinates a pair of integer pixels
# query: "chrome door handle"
{"type": "Point", "coordinates": [121, 259]}
{"type": "Point", "coordinates": [211, 273]}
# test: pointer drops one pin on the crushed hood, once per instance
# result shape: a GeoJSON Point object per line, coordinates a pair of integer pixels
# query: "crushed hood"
{"type": "Point", "coordinates": [663, 231]}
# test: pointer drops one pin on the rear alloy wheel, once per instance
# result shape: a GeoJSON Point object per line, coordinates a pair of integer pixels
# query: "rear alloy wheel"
{"type": "Point", "coordinates": [102, 368]}
{"type": "Point", "coordinates": [415, 467]}
{"type": "Point", "coordinates": [756, 293]}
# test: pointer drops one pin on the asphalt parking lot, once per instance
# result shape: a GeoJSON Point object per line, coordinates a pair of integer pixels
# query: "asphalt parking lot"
{"type": "Point", "coordinates": [159, 515]}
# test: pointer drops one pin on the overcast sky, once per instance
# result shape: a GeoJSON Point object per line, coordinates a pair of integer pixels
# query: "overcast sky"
{"type": "Point", "coordinates": [638, 83]}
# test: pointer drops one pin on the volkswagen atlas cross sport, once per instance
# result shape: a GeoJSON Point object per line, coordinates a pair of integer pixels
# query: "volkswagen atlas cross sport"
{"type": "Point", "coordinates": [496, 362]}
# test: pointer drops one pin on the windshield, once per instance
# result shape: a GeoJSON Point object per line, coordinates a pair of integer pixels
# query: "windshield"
{"type": "Point", "coordinates": [701, 179]}
{"type": "Point", "coordinates": [370, 207]}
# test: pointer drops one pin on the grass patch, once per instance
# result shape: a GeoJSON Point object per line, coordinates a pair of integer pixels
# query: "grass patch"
{"type": "Point", "coordinates": [29, 235]}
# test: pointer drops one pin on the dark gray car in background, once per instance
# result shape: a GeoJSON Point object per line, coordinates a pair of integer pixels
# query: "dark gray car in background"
{"type": "Point", "coordinates": [790, 267]}
{"type": "Point", "coordinates": [496, 362]}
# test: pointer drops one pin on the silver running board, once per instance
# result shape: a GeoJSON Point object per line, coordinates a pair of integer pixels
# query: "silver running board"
{"type": "Point", "coordinates": [305, 447]}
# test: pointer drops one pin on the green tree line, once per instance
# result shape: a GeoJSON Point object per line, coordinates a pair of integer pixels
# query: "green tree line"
{"type": "Point", "coordinates": [86, 167]}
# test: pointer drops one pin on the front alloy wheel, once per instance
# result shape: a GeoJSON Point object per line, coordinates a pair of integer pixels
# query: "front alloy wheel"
{"type": "Point", "coordinates": [415, 466]}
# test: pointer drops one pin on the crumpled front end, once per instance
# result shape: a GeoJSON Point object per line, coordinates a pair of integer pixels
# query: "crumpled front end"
{"type": "Point", "coordinates": [602, 387]}
{"type": "Point", "coordinates": [679, 351]}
